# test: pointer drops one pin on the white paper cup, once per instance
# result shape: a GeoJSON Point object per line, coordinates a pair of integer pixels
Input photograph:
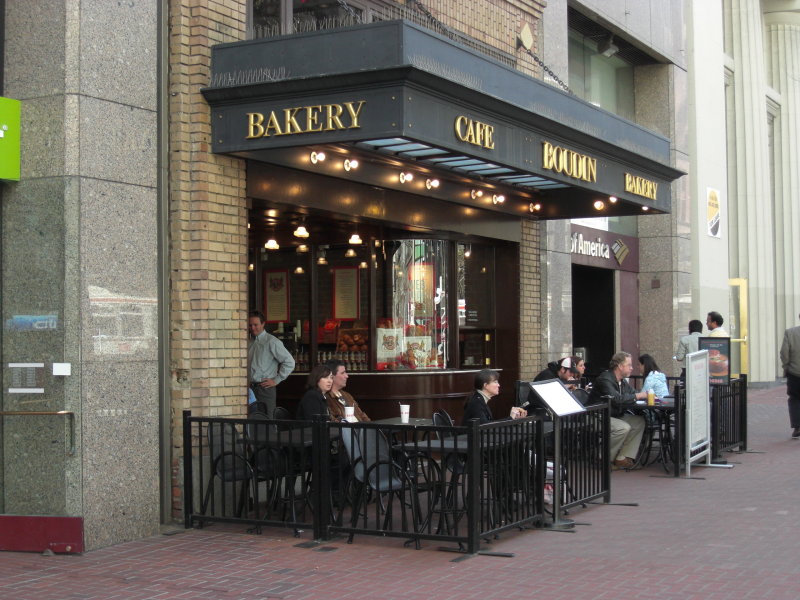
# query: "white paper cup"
{"type": "Point", "coordinates": [405, 409]}
{"type": "Point", "coordinates": [349, 412]}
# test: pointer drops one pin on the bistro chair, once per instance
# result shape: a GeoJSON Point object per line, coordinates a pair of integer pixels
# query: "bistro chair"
{"type": "Point", "coordinates": [270, 463]}
{"type": "Point", "coordinates": [229, 464]}
{"type": "Point", "coordinates": [375, 472]}
{"type": "Point", "coordinates": [453, 475]}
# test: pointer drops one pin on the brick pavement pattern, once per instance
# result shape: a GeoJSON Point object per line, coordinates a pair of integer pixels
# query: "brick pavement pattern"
{"type": "Point", "coordinates": [727, 534]}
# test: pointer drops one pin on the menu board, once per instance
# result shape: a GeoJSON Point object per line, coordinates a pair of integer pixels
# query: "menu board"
{"type": "Point", "coordinates": [557, 397]}
{"type": "Point", "coordinates": [719, 363]}
{"type": "Point", "coordinates": [276, 296]}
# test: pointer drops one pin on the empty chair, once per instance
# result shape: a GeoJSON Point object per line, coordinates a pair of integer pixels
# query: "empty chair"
{"type": "Point", "coordinates": [229, 464]}
{"type": "Point", "coordinates": [374, 471]}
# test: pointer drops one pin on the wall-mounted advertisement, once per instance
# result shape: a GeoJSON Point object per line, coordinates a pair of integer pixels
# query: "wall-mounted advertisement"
{"type": "Point", "coordinates": [713, 213]}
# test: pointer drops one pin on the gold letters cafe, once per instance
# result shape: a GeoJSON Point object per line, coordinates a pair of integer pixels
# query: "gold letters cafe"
{"type": "Point", "coordinates": [390, 189]}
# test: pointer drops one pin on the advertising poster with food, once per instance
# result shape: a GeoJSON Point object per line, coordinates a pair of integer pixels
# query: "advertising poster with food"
{"type": "Point", "coordinates": [719, 364]}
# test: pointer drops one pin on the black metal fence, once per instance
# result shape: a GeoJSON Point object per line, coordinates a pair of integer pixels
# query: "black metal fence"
{"type": "Point", "coordinates": [729, 417]}
{"type": "Point", "coordinates": [444, 483]}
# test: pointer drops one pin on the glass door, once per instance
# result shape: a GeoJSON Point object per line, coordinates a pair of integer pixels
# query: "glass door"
{"type": "Point", "coordinates": [738, 326]}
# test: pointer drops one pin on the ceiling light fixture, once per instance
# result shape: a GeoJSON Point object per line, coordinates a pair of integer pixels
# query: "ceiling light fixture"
{"type": "Point", "coordinates": [404, 177]}
{"type": "Point", "coordinates": [645, 208]}
{"type": "Point", "coordinates": [350, 164]}
{"type": "Point", "coordinates": [612, 199]}
{"type": "Point", "coordinates": [475, 194]}
{"type": "Point", "coordinates": [251, 267]}
{"type": "Point", "coordinates": [534, 207]}
{"type": "Point", "coordinates": [317, 157]}
{"type": "Point", "coordinates": [468, 251]}
{"type": "Point", "coordinates": [321, 260]}
{"type": "Point", "coordinates": [498, 198]}
{"type": "Point", "coordinates": [272, 244]}
{"type": "Point", "coordinates": [301, 232]}
{"type": "Point", "coordinates": [431, 183]}
{"type": "Point", "coordinates": [299, 270]}
{"type": "Point", "coordinates": [363, 265]}
{"type": "Point", "coordinates": [302, 248]}
{"type": "Point", "coordinates": [350, 253]}
{"type": "Point", "coordinates": [354, 239]}
{"type": "Point", "coordinates": [599, 205]}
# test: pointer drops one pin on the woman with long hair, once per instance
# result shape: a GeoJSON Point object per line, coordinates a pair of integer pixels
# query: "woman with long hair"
{"type": "Point", "coordinates": [654, 379]}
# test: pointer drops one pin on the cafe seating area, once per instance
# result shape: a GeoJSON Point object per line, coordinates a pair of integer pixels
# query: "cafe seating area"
{"type": "Point", "coordinates": [426, 480]}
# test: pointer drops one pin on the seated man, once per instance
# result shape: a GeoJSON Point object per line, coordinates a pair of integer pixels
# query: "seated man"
{"type": "Point", "coordinates": [562, 369]}
{"type": "Point", "coordinates": [337, 398]}
{"type": "Point", "coordinates": [626, 429]}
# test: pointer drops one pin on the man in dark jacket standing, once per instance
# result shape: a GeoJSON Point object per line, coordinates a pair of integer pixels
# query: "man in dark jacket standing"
{"type": "Point", "coordinates": [790, 360]}
{"type": "Point", "coordinates": [626, 429]}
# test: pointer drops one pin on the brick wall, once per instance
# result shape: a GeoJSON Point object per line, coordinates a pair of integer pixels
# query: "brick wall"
{"type": "Point", "coordinates": [208, 230]}
{"type": "Point", "coordinates": [531, 353]}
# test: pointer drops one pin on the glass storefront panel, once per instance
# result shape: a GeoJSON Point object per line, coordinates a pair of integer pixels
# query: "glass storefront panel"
{"type": "Point", "coordinates": [37, 425]}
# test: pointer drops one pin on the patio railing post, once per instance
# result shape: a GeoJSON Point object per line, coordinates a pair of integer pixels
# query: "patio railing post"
{"type": "Point", "coordinates": [743, 412]}
{"type": "Point", "coordinates": [188, 487]}
{"type": "Point", "coordinates": [320, 477]}
{"type": "Point", "coordinates": [474, 474]}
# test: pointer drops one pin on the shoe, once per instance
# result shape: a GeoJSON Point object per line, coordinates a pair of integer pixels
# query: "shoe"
{"type": "Point", "coordinates": [796, 432]}
{"type": "Point", "coordinates": [625, 463]}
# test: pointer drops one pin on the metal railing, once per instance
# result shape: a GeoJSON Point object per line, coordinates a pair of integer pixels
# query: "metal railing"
{"type": "Point", "coordinates": [450, 484]}
{"type": "Point", "coordinates": [729, 417]}
{"type": "Point", "coordinates": [584, 457]}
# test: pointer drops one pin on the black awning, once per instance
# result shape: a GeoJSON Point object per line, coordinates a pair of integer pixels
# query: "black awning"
{"type": "Point", "coordinates": [414, 99]}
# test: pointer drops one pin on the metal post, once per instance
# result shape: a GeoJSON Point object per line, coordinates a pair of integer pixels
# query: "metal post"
{"type": "Point", "coordinates": [188, 497]}
{"type": "Point", "coordinates": [473, 490]}
{"type": "Point", "coordinates": [558, 522]}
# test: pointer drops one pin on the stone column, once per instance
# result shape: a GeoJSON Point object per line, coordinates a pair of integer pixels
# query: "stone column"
{"type": "Point", "coordinates": [752, 237]}
{"type": "Point", "coordinates": [783, 70]}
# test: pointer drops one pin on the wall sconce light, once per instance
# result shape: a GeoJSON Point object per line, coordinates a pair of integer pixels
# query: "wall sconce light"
{"type": "Point", "coordinates": [350, 253]}
{"type": "Point", "coordinates": [299, 271]}
{"type": "Point", "coordinates": [498, 198]}
{"type": "Point", "coordinates": [612, 199]}
{"type": "Point", "coordinates": [317, 157]}
{"type": "Point", "coordinates": [272, 244]}
{"type": "Point", "coordinates": [405, 177]}
{"type": "Point", "coordinates": [534, 207]}
{"type": "Point", "coordinates": [468, 251]}
{"type": "Point", "coordinates": [354, 239]}
{"type": "Point", "coordinates": [599, 205]}
{"type": "Point", "coordinates": [431, 183]}
{"type": "Point", "coordinates": [302, 248]}
{"type": "Point", "coordinates": [350, 164]}
{"type": "Point", "coordinates": [301, 232]}
{"type": "Point", "coordinates": [475, 194]}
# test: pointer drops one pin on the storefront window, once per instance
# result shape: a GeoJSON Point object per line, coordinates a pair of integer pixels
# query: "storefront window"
{"type": "Point", "coordinates": [412, 326]}
{"type": "Point", "coordinates": [476, 313]}
{"type": "Point", "coordinates": [306, 15]}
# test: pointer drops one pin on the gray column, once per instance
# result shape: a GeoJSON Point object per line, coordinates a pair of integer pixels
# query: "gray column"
{"type": "Point", "coordinates": [752, 237]}
{"type": "Point", "coordinates": [783, 69]}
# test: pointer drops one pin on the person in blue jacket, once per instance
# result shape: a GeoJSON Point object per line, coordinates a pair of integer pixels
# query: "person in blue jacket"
{"type": "Point", "coordinates": [654, 379]}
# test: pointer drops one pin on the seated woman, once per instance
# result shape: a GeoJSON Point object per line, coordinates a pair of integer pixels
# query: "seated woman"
{"type": "Point", "coordinates": [313, 401]}
{"type": "Point", "coordinates": [654, 379]}
{"type": "Point", "coordinates": [487, 386]}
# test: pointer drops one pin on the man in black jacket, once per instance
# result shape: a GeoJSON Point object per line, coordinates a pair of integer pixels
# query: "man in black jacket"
{"type": "Point", "coordinates": [562, 369]}
{"type": "Point", "coordinates": [626, 429]}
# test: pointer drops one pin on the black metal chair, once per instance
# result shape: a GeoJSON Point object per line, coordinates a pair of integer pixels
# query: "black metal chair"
{"type": "Point", "coordinates": [229, 464]}
{"type": "Point", "coordinates": [445, 501]}
{"type": "Point", "coordinates": [374, 471]}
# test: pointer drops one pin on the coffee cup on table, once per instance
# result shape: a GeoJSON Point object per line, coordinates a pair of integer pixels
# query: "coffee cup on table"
{"type": "Point", "coordinates": [405, 410]}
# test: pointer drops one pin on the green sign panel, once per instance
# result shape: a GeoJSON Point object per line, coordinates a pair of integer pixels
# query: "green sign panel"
{"type": "Point", "coordinates": [10, 111]}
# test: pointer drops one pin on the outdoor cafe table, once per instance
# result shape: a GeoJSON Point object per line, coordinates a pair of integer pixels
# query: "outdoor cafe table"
{"type": "Point", "coordinates": [662, 414]}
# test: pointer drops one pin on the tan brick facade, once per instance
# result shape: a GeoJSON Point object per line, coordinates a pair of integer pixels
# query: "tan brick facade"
{"type": "Point", "coordinates": [208, 211]}
{"type": "Point", "coordinates": [208, 230]}
{"type": "Point", "coordinates": [531, 344]}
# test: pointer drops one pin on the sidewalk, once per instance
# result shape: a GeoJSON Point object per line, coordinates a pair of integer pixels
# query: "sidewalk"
{"type": "Point", "coordinates": [725, 533]}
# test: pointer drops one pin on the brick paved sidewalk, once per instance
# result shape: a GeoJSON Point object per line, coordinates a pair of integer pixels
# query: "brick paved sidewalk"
{"type": "Point", "coordinates": [728, 534]}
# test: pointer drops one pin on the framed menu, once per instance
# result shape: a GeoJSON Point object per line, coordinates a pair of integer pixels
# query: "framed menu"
{"type": "Point", "coordinates": [556, 397]}
{"type": "Point", "coordinates": [276, 296]}
{"type": "Point", "coordinates": [345, 293]}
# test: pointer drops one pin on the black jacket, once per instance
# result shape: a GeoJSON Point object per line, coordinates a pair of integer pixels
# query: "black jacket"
{"type": "Point", "coordinates": [623, 396]}
{"type": "Point", "coordinates": [551, 372]}
{"type": "Point", "coordinates": [312, 403]}
{"type": "Point", "coordinates": [476, 408]}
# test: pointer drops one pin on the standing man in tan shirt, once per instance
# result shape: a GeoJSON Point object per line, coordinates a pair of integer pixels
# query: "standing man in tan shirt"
{"type": "Point", "coordinates": [790, 359]}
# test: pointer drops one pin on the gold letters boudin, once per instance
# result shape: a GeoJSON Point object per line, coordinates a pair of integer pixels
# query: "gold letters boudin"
{"type": "Point", "coordinates": [305, 119]}
{"type": "Point", "coordinates": [569, 162]}
{"type": "Point", "coordinates": [640, 186]}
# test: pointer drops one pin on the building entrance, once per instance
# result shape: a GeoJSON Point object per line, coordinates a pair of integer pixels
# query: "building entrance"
{"type": "Point", "coordinates": [593, 326]}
